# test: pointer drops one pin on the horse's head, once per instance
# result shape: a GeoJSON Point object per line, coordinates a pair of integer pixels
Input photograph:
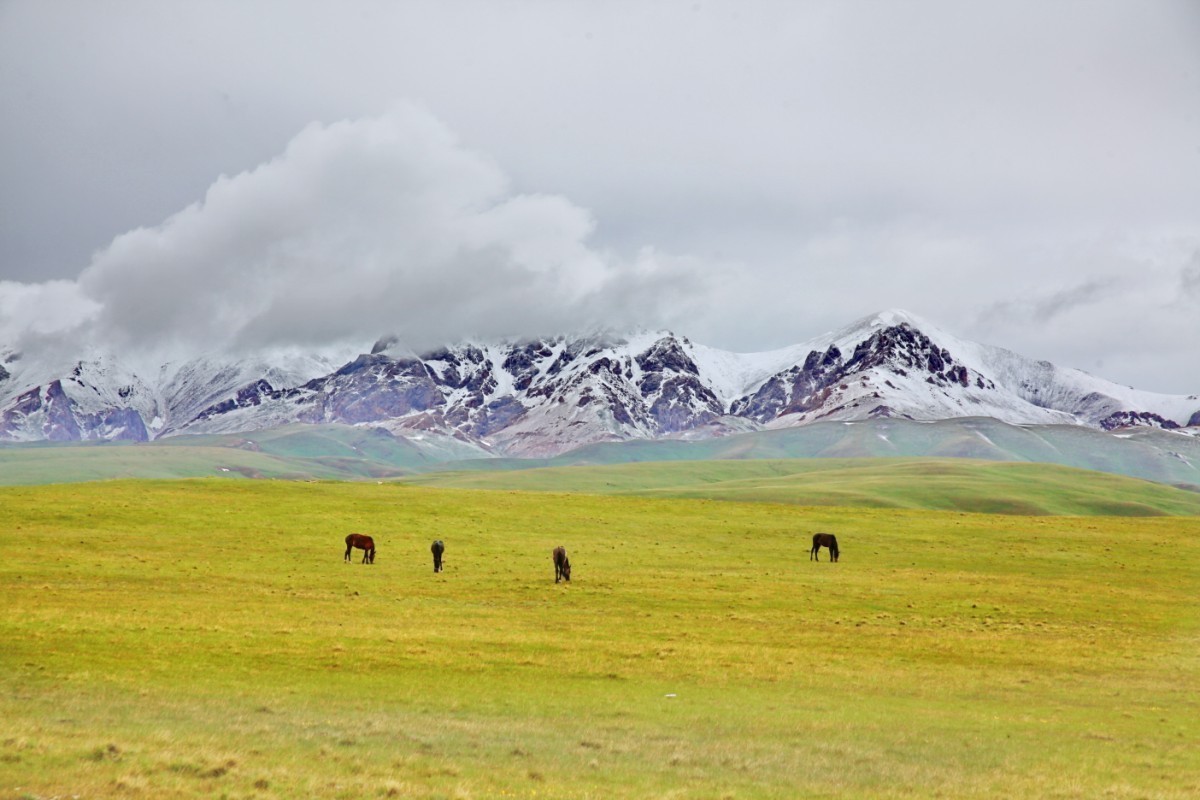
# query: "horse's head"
{"type": "Point", "coordinates": [567, 568]}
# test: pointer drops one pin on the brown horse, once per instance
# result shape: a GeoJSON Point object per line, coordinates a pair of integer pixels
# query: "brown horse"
{"type": "Point", "coordinates": [562, 565]}
{"type": "Point", "coordinates": [826, 540]}
{"type": "Point", "coordinates": [437, 548]}
{"type": "Point", "coordinates": [362, 542]}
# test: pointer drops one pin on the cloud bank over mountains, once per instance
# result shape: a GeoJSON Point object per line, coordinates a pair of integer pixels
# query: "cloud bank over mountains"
{"type": "Point", "coordinates": [751, 174]}
{"type": "Point", "coordinates": [389, 225]}
{"type": "Point", "coordinates": [359, 228]}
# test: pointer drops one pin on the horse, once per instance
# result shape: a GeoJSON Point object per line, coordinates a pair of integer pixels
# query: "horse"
{"type": "Point", "coordinates": [826, 540]}
{"type": "Point", "coordinates": [362, 542]}
{"type": "Point", "coordinates": [437, 549]}
{"type": "Point", "coordinates": [562, 565]}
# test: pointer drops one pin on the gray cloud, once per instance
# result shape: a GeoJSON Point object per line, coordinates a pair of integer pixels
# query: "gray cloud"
{"type": "Point", "coordinates": [358, 228]}
{"type": "Point", "coordinates": [42, 309]}
{"type": "Point", "coordinates": [1044, 305]}
{"type": "Point", "coordinates": [1189, 277]}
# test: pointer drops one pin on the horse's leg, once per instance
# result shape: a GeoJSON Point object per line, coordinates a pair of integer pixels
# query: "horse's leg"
{"type": "Point", "coordinates": [348, 549]}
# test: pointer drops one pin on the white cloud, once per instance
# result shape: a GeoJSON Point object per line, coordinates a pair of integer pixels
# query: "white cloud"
{"type": "Point", "coordinates": [41, 310]}
{"type": "Point", "coordinates": [366, 227]}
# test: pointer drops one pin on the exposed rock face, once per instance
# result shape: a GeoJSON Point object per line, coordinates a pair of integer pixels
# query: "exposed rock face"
{"type": "Point", "coordinates": [540, 397]}
{"type": "Point", "coordinates": [1137, 419]}
{"type": "Point", "coordinates": [58, 418]}
{"type": "Point", "coordinates": [376, 387]}
{"type": "Point", "coordinates": [250, 395]}
{"type": "Point", "coordinates": [678, 398]}
{"type": "Point", "coordinates": [116, 424]}
{"type": "Point", "coordinates": [899, 351]}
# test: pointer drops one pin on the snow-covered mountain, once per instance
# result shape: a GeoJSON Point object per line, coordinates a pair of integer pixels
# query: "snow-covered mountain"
{"type": "Point", "coordinates": [546, 396]}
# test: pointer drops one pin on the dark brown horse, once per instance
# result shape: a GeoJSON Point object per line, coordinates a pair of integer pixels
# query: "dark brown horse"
{"type": "Point", "coordinates": [562, 565]}
{"type": "Point", "coordinates": [823, 540]}
{"type": "Point", "coordinates": [362, 542]}
{"type": "Point", "coordinates": [437, 548]}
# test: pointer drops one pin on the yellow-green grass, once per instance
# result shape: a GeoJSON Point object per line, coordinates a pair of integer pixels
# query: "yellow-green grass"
{"type": "Point", "coordinates": [289, 452]}
{"type": "Point", "coordinates": [205, 639]}
{"type": "Point", "coordinates": [68, 464]}
{"type": "Point", "coordinates": [952, 484]}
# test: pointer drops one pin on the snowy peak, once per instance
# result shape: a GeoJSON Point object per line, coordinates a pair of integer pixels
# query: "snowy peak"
{"type": "Point", "coordinates": [544, 396]}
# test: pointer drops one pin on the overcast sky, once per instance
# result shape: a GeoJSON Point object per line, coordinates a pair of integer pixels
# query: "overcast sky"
{"type": "Point", "coordinates": [203, 176]}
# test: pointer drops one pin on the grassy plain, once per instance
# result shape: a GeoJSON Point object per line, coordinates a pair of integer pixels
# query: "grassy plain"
{"type": "Point", "coordinates": [945, 484]}
{"type": "Point", "coordinates": [345, 452]}
{"type": "Point", "coordinates": [204, 639]}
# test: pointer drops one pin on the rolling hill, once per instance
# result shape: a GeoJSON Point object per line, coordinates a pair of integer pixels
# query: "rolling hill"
{"type": "Point", "coordinates": [931, 484]}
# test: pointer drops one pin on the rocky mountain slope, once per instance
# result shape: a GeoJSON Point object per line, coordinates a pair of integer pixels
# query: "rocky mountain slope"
{"type": "Point", "coordinates": [543, 397]}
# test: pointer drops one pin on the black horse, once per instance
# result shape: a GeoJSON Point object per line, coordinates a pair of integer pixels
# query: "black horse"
{"type": "Point", "coordinates": [437, 548]}
{"type": "Point", "coordinates": [362, 542]}
{"type": "Point", "coordinates": [562, 565]}
{"type": "Point", "coordinates": [823, 540]}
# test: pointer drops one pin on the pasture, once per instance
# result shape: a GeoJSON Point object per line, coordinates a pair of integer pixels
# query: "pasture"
{"type": "Point", "coordinates": [205, 638]}
{"type": "Point", "coordinates": [947, 484]}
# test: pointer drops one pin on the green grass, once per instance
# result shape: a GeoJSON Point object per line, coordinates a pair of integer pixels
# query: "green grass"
{"type": "Point", "coordinates": [292, 452]}
{"type": "Point", "coordinates": [205, 639]}
{"type": "Point", "coordinates": [343, 452]}
{"type": "Point", "coordinates": [70, 464]}
{"type": "Point", "coordinates": [941, 484]}
{"type": "Point", "coordinates": [1164, 456]}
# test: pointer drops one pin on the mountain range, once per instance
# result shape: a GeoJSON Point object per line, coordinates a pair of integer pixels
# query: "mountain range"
{"type": "Point", "coordinates": [543, 397]}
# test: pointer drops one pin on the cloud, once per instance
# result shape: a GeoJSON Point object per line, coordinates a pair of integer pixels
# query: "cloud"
{"type": "Point", "coordinates": [360, 228]}
{"type": "Point", "coordinates": [42, 310]}
{"type": "Point", "coordinates": [1189, 277]}
{"type": "Point", "coordinates": [390, 225]}
{"type": "Point", "coordinates": [1042, 305]}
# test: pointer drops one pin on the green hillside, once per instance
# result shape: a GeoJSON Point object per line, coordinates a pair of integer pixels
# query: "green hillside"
{"type": "Point", "coordinates": [293, 452]}
{"type": "Point", "coordinates": [941, 484]}
{"type": "Point", "coordinates": [367, 453]}
{"type": "Point", "coordinates": [1156, 455]}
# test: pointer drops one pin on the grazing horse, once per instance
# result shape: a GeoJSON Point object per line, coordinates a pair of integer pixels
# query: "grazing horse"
{"type": "Point", "coordinates": [362, 542]}
{"type": "Point", "coordinates": [827, 540]}
{"type": "Point", "coordinates": [437, 549]}
{"type": "Point", "coordinates": [562, 565]}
